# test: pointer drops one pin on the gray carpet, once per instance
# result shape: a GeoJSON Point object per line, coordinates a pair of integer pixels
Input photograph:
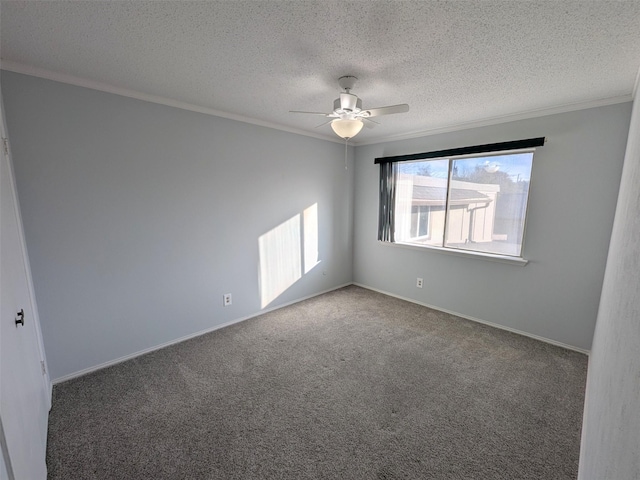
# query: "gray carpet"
{"type": "Point", "coordinates": [352, 384]}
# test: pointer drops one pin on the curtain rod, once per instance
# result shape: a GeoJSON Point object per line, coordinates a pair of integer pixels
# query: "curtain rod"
{"type": "Point", "coordinates": [490, 147]}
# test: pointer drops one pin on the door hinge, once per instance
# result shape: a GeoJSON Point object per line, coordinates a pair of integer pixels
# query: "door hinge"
{"type": "Point", "coordinates": [5, 143]}
{"type": "Point", "coordinates": [44, 370]}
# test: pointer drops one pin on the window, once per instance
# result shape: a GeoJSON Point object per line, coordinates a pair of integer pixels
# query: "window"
{"type": "Point", "coordinates": [420, 221]}
{"type": "Point", "coordinates": [475, 201]}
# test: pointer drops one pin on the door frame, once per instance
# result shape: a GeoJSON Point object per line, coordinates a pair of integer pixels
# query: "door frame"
{"type": "Point", "coordinates": [5, 155]}
{"type": "Point", "coordinates": [25, 257]}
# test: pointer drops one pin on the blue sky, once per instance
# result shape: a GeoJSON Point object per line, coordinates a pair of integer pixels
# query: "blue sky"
{"type": "Point", "coordinates": [517, 165]}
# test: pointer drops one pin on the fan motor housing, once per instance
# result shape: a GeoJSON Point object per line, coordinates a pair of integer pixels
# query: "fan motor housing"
{"type": "Point", "coordinates": [347, 103]}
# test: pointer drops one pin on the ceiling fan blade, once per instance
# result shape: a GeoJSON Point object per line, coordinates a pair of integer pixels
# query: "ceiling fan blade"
{"type": "Point", "coordinates": [369, 123]}
{"type": "Point", "coordinates": [324, 123]}
{"type": "Point", "coordinates": [376, 112]}
{"type": "Point", "coordinates": [311, 113]}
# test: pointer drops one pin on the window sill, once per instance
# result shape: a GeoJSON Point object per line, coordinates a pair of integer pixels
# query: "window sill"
{"type": "Point", "coordinates": [461, 253]}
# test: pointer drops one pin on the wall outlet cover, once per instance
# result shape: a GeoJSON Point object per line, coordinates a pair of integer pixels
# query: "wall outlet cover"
{"type": "Point", "coordinates": [226, 299]}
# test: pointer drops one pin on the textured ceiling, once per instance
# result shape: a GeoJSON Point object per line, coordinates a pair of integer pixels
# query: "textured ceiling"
{"type": "Point", "coordinates": [454, 62]}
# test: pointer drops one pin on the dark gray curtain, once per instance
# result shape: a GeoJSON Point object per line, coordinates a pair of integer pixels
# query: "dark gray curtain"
{"type": "Point", "coordinates": [387, 201]}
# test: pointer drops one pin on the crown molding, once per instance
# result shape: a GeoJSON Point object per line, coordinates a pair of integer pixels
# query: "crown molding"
{"type": "Point", "coordinates": [104, 87]}
{"type": "Point", "coordinates": [124, 92]}
{"type": "Point", "coordinates": [542, 112]}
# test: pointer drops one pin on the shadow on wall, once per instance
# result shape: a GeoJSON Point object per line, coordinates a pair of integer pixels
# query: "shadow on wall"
{"type": "Point", "coordinates": [286, 253]}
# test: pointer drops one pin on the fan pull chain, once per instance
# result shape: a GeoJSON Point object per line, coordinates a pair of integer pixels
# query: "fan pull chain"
{"type": "Point", "coordinates": [346, 140]}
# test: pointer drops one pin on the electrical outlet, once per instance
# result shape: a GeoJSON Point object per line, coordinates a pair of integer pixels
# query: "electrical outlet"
{"type": "Point", "coordinates": [419, 283]}
{"type": "Point", "coordinates": [226, 299]}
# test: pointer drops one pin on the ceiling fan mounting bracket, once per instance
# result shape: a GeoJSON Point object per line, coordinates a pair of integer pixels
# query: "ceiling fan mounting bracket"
{"type": "Point", "coordinates": [347, 82]}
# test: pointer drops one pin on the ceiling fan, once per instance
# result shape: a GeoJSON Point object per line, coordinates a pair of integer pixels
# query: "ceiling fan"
{"type": "Point", "coordinates": [348, 115]}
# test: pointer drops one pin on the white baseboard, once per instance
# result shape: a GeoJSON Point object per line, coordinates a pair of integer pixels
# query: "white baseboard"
{"type": "Point", "coordinates": [478, 320]}
{"type": "Point", "coordinates": [109, 363]}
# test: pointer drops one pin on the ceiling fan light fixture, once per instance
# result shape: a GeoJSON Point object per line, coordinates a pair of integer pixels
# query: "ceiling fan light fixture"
{"type": "Point", "coordinates": [346, 128]}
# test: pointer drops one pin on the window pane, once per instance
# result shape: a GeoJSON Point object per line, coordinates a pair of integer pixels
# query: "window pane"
{"type": "Point", "coordinates": [421, 197]}
{"type": "Point", "coordinates": [488, 203]}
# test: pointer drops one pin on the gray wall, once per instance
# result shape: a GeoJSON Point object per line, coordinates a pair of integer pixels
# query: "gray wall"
{"type": "Point", "coordinates": [138, 216]}
{"type": "Point", "coordinates": [611, 429]}
{"type": "Point", "coordinates": [573, 194]}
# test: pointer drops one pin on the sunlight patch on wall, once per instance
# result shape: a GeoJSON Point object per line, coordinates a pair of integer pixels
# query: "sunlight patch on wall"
{"type": "Point", "coordinates": [310, 232]}
{"type": "Point", "coordinates": [286, 252]}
